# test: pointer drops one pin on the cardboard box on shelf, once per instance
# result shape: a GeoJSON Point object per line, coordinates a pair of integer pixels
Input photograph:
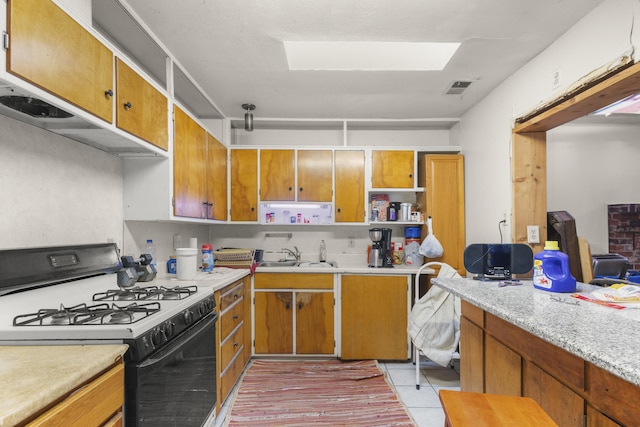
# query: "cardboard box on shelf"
{"type": "Point", "coordinates": [381, 203]}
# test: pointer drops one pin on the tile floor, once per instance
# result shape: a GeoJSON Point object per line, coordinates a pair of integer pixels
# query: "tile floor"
{"type": "Point", "coordinates": [423, 404]}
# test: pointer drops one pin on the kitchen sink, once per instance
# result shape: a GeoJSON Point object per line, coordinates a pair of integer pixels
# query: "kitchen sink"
{"type": "Point", "coordinates": [300, 264]}
{"type": "Point", "coordinates": [311, 264]}
{"type": "Point", "coordinates": [278, 264]}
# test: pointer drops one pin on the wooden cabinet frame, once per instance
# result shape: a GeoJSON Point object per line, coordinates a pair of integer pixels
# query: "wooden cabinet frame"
{"type": "Point", "coordinates": [528, 164]}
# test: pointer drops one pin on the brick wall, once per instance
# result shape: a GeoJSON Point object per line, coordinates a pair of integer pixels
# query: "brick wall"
{"type": "Point", "coordinates": [624, 232]}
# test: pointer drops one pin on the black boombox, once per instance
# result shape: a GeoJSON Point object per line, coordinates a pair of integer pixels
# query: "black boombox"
{"type": "Point", "coordinates": [497, 261]}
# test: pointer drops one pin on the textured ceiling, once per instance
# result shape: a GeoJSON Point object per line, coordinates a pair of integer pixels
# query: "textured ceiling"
{"type": "Point", "coordinates": [234, 50]}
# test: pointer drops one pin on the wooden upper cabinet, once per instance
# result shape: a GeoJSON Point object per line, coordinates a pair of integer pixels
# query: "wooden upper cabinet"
{"type": "Point", "coordinates": [277, 175]}
{"type": "Point", "coordinates": [216, 178]}
{"type": "Point", "coordinates": [315, 168]}
{"type": "Point", "coordinates": [189, 166]}
{"type": "Point", "coordinates": [141, 108]}
{"type": "Point", "coordinates": [442, 176]}
{"type": "Point", "coordinates": [244, 185]}
{"type": "Point", "coordinates": [349, 178]}
{"type": "Point", "coordinates": [392, 169]}
{"type": "Point", "coordinates": [51, 50]}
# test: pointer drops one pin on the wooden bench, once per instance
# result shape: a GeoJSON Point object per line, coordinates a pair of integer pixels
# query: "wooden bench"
{"type": "Point", "coordinates": [465, 409]}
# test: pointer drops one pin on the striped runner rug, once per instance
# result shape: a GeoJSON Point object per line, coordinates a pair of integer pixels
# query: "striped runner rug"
{"type": "Point", "coordinates": [318, 393]}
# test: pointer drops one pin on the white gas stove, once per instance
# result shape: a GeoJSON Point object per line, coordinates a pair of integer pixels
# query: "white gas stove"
{"type": "Point", "coordinates": [93, 309]}
{"type": "Point", "coordinates": [70, 295]}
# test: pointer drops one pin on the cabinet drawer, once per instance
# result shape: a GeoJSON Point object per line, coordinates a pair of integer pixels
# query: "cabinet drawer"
{"type": "Point", "coordinates": [230, 319]}
{"type": "Point", "coordinates": [232, 295]}
{"type": "Point", "coordinates": [473, 313]}
{"type": "Point", "coordinates": [230, 377]}
{"type": "Point", "coordinates": [91, 405]}
{"type": "Point", "coordinates": [231, 346]}
{"type": "Point", "coordinates": [292, 281]}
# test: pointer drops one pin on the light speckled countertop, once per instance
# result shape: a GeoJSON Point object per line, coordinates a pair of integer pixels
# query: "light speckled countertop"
{"type": "Point", "coordinates": [604, 336]}
{"type": "Point", "coordinates": [220, 277]}
{"type": "Point", "coordinates": [34, 376]}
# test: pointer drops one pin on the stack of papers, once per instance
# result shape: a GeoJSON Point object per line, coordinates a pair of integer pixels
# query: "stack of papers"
{"type": "Point", "coordinates": [618, 293]}
{"type": "Point", "coordinates": [616, 296]}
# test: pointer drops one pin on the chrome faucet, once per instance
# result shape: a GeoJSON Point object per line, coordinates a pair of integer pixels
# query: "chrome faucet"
{"type": "Point", "coordinates": [295, 255]}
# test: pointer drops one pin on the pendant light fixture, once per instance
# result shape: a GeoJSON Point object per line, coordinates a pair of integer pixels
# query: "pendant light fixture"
{"type": "Point", "coordinates": [248, 116]}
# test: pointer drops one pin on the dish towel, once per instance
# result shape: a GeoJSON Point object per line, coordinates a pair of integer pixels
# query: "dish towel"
{"type": "Point", "coordinates": [434, 321]}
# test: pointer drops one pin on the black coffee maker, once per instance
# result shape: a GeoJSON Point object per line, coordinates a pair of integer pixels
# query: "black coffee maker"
{"type": "Point", "coordinates": [380, 256]}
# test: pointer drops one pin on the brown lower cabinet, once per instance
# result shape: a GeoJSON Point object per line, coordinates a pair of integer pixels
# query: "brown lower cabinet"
{"type": "Point", "coordinates": [233, 334]}
{"type": "Point", "coordinates": [374, 317]}
{"type": "Point", "coordinates": [294, 314]}
{"type": "Point", "coordinates": [96, 403]}
{"type": "Point", "coordinates": [499, 357]}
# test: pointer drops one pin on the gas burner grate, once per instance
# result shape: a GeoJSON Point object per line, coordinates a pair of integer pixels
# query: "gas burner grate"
{"type": "Point", "coordinates": [146, 293]}
{"type": "Point", "coordinates": [83, 314]}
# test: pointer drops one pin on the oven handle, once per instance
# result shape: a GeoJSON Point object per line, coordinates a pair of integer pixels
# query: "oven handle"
{"type": "Point", "coordinates": [175, 346]}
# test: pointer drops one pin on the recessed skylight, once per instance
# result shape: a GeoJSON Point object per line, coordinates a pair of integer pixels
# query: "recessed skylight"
{"type": "Point", "coordinates": [370, 56]}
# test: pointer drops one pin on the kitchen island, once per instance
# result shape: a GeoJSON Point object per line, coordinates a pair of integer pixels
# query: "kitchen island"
{"type": "Point", "coordinates": [576, 358]}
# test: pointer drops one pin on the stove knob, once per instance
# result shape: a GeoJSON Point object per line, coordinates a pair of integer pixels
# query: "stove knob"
{"type": "Point", "coordinates": [155, 337]}
{"type": "Point", "coordinates": [188, 317]}
{"type": "Point", "coordinates": [203, 308]}
{"type": "Point", "coordinates": [169, 329]}
{"type": "Point", "coordinates": [145, 342]}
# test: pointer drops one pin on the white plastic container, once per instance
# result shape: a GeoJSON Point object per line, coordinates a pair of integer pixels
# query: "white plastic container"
{"type": "Point", "coordinates": [186, 263]}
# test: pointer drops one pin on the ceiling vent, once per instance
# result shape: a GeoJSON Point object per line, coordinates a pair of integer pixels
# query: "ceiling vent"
{"type": "Point", "coordinates": [458, 87]}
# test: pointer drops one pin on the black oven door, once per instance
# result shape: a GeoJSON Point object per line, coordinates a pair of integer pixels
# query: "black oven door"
{"type": "Point", "coordinates": [177, 385]}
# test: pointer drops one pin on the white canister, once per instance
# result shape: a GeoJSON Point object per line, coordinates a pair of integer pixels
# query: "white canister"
{"type": "Point", "coordinates": [186, 263]}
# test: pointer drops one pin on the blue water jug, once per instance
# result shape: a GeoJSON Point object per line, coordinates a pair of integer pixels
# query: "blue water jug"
{"type": "Point", "coordinates": [551, 270]}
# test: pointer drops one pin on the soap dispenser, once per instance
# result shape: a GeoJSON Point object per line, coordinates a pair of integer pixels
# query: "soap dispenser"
{"type": "Point", "coordinates": [323, 251]}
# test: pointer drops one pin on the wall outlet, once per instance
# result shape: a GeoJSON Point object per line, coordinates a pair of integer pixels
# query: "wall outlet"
{"type": "Point", "coordinates": [556, 79]}
{"type": "Point", "coordinates": [533, 234]}
{"type": "Point", "coordinates": [351, 242]}
{"type": "Point", "coordinates": [504, 221]}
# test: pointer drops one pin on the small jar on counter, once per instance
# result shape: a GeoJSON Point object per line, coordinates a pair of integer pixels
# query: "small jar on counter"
{"type": "Point", "coordinates": [171, 265]}
{"type": "Point", "coordinates": [207, 257]}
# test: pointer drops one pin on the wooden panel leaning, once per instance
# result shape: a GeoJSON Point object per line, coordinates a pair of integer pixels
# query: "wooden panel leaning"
{"type": "Point", "coordinates": [466, 409]}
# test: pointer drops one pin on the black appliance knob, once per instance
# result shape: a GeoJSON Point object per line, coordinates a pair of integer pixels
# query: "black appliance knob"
{"type": "Point", "coordinates": [155, 337]}
{"type": "Point", "coordinates": [169, 329]}
{"type": "Point", "coordinates": [188, 317]}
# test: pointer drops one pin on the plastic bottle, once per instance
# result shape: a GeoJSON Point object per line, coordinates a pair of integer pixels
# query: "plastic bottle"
{"type": "Point", "coordinates": [207, 257]}
{"type": "Point", "coordinates": [150, 249]}
{"type": "Point", "coordinates": [171, 265]}
{"type": "Point", "coordinates": [551, 270]}
{"type": "Point", "coordinates": [323, 251]}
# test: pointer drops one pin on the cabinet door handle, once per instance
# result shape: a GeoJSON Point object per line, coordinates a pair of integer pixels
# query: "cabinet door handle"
{"type": "Point", "coordinates": [287, 305]}
{"type": "Point", "coordinates": [235, 317]}
{"type": "Point", "coordinates": [300, 305]}
{"type": "Point", "coordinates": [127, 105]}
{"type": "Point", "coordinates": [235, 296]}
{"type": "Point", "coordinates": [410, 175]}
{"type": "Point", "coordinates": [108, 93]}
{"type": "Point", "coordinates": [290, 188]}
{"type": "Point", "coordinates": [339, 210]}
{"type": "Point", "coordinates": [235, 345]}
{"type": "Point", "coordinates": [253, 208]}
{"type": "Point", "coordinates": [301, 188]}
